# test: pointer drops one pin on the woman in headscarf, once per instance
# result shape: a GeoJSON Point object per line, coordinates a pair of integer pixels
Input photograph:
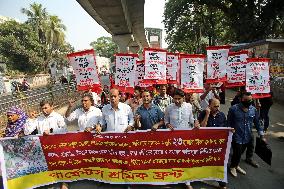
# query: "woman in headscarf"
{"type": "Point", "coordinates": [16, 122]}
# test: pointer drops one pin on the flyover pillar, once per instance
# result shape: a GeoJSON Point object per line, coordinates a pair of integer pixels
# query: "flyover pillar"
{"type": "Point", "coordinates": [122, 41]}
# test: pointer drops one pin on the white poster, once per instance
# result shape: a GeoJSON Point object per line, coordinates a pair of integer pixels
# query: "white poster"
{"type": "Point", "coordinates": [84, 66]}
{"type": "Point", "coordinates": [217, 58]}
{"type": "Point", "coordinates": [125, 69]}
{"type": "Point", "coordinates": [236, 69]}
{"type": "Point", "coordinates": [192, 67]}
{"type": "Point", "coordinates": [139, 75]}
{"type": "Point", "coordinates": [172, 66]}
{"type": "Point", "coordinates": [155, 65]}
{"type": "Point", "coordinates": [257, 75]}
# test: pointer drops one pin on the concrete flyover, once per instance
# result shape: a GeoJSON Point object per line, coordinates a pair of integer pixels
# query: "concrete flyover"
{"type": "Point", "coordinates": [123, 19]}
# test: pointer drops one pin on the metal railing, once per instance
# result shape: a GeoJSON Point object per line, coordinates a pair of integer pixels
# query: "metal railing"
{"type": "Point", "coordinates": [29, 100]}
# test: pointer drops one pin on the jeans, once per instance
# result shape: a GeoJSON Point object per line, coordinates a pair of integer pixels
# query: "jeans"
{"type": "Point", "coordinates": [238, 150]}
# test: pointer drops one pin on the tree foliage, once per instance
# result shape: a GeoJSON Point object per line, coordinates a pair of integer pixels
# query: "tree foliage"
{"type": "Point", "coordinates": [29, 47]}
{"type": "Point", "coordinates": [192, 24]}
{"type": "Point", "coordinates": [50, 31]}
{"type": "Point", "coordinates": [104, 46]}
{"type": "Point", "coordinates": [20, 48]}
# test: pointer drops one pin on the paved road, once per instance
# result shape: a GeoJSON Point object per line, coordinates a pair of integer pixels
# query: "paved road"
{"type": "Point", "coordinates": [264, 177]}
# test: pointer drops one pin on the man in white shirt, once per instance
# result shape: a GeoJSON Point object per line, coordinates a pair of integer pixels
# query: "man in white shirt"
{"type": "Point", "coordinates": [49, 122]}
{"type": "Point", "coordinates": [209, 93]}
{"type": "Point", "coordinates": [116, 116]}
{"type": "Point", "coordinates": [179, 115]}
{"type": "Point", "coordinates": [88, 116]}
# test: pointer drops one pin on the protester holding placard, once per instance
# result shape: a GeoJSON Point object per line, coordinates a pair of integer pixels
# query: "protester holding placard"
{"type": "Point", "coordinates": [162, 100]}
{"type": "Point", "coordinates": [135, 101]}
{"type": "Point", "coordinates": [241, 117]}
{"type": "Point", "coordinates": [209, 93]}
{"type": "Point", "coordinates": [266, 104]}
{"type": "Point", "coordinates": [193, 99]}
{"type": "Point", "coordinates": [148, 115]}
{"type": "Point", "coordinates": [88, 116]}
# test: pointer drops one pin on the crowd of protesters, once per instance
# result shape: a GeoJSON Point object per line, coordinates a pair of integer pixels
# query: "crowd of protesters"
{"type": "Point", "coordinates": [166, 107]}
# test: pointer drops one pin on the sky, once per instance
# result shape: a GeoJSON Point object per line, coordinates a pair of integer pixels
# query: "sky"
{"type": "Point", "coordinates": [82, 29]}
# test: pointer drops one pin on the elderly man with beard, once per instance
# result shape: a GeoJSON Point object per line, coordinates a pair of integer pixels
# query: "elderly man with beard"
{"type": "Point", "coordinates": [148, 115]}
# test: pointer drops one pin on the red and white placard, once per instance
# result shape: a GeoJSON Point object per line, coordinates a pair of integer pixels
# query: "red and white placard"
{"type": "Point", "coordinates": [192, 67]}
{"type": "Point", "coordinates": [85, 68]}
{"type": "Point", "coordinates": [217, 57]}
{"type": "Point", "coordinates": [125, 65]}
{"type": "Point", "coordinates": [173, 68]}
{"type": "Point", "coordinates": [236, 69]}
{"type": "Point", "coordinates": [155, 66]}
{"type": "Point", "coordinates": [139, 75]}
{"type": "Point", "coordinates": [257, 77]}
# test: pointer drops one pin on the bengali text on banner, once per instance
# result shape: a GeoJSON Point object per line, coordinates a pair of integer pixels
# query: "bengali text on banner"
{"type": "Point", "coordinates": [161, 157]}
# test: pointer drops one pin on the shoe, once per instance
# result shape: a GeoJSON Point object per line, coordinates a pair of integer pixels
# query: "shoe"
{"type": "Point", "coordinates": [233, 171]}
{"type": "Point", "coordinates": [252, 163]}
{"type": "Point", "coordinates": [64, 185]}
{"type": "Point", "coordinates": [189, 187]}
{"type": "Point", "coordinates": [240, 170]}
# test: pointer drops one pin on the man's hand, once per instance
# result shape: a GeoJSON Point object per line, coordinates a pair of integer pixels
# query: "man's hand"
{"type": "Point", "coordinates": [128, 128]}
{"type": "Point", "coordinates": [170, 126]}
{"type": "Point", "coordinates": [207, 110]}
{"type": "Point", "coordinates": [155, 127]}
{"type": "Point", "coordinates": [262, 138]}
{"type": "Point", "coordinates": [21, 134]}
{"type": "Point", "coordinates": [98, 129]}
{"type": "Point", "coordinates": [46, 132]}
{"type": "Point", "coordinates": [232, 130]}
{"type": "Point", "coordinates": [88, 129]}
{"type": "Point", "coordinates": [196, 124]}
{"type": "Point", "coordinates": [137, 117]}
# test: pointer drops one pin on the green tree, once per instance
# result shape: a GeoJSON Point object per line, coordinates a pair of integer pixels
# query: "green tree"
{"type": "Point", "coordinates": [55, 38]}
{"type": "Point", "coordinates": [37, 17]}
{"type": "Point", "coordinates": [50, 30]}
{"type": "Point", "coordinates": [104, 46]}
{"type": "Point", "coordinates": [20, 48]}
{"type": "Point", "coordinates": [192, 24]}
{"type": "Point", "coordinates": [190, 27]}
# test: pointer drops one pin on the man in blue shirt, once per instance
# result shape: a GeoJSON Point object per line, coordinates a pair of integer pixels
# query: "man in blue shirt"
{"type": "Point", "coordinates": [148, 115]}
{"type": "Point", "coordinates": [241, 117]}
{"type": "Point", "coordinates": [212, 117]}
